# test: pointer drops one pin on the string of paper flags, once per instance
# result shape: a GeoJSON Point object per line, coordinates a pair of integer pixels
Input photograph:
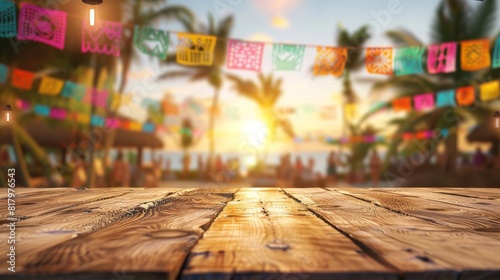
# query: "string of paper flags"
{"type": "Point", "coordinates": [49, 27]}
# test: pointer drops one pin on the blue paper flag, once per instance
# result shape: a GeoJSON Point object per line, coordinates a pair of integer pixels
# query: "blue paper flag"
{"type": "Point", "coordinates": [41, 110]}
{"type": "Point", "coordinates": [409, 61]}
{"type": "Point", "coordinates": [8, 23]}
{"type": "Point", "coordinates": [72, 90]}
{"type": "Point", "coordinates": [3, 73]}
{"type": "Point", "coordinates": [97, 121]}
{"type": "Point", "coordinates": [446, 98]}
{"type": "Point", "coordinates": [148, 127]}
{"type": "Point", "coordinates": [445, 132]}
{"type": "Point", "coordinates": [496, 54]}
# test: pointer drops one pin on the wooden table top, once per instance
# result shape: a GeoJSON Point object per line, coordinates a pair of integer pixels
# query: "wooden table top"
{"type": "Point", "coordinates": [253, 233]}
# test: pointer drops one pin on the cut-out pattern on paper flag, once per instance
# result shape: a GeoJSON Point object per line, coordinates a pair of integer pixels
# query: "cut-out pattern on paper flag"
{"type": "Point", "coordinates": [72, 90]}
{"type": "Point", "coordinates": [446, 98]}
{"type": "Point", "coordinates": [58, 113]}
{"type": "Point", "coordinates": [41, 110]}
{"type": "Point", "coordinates": [442, 58]}
{"type": "Point", "coordinates": [475, 54]}
{"type": "Point", "coordinates": [401, 104]}
{"type": "Point", "coordinates": [244, 55]}
{"type": "Point", "coordinates": [423, 101]}
{"type": "Point", "coordinates": [409, 61]}
{"type": "Point", "coordinates": [42, 25]}
{"type": "Point", "coordinates": [288, 57]}
{"type": "Point", "coordinates": [330, 61]}
{"type": "Point", "coordinates": [99, 98]}
{"type": "Point", "coordinates": [496, 54]}
{"type": "Point", "coordinates": [379, 60]}
{"type": "Point", "coordinates": [3, 73]}
{"type": "Point", "coordinates": [490, 91]}
{"type": "Point", "coordinates": [466, 96]}
{"type": "Point", "coordinates": [105, 40]}
{"type": "Point", "coordinates": [7, 19]}
{"type": "Point", "coordinates": [150, 41]}
{"type": "Point", "coordinates": [195, 49]}
{"type": "Point", "coordinates": [50, 86]}
{"type": "Point", "coordinates": [22, 79]}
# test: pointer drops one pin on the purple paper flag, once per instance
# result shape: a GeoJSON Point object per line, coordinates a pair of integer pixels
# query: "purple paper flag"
{"type": "Point", "coordinates": [58, 113]}
{"type": "Point", "coordinates": [245, 55]}
{"type": "Point", "coordinates": [42, 25]}
{"type": "Point", "coordinates": [442, 58]}
{"type": "Point", "coordinates": [424, 101]}
{"type": "Point", "coordinates": [105, 40]}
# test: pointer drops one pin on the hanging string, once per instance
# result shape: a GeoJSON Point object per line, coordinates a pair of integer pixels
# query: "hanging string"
{"type": "Point", "coordinates": [223, 39]}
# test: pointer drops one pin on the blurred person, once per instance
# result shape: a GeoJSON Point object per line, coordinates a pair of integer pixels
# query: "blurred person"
{"type": "Point", "coordinates": [375, 167]}
{"type": "Point", "coordinates": [331, 169]}
{"type": "Point", "coordinates": [219, 164]}
{"type": "Point", "coordinates": [298, 171]}
{"type": "Point", "coordinates": [479, 158]}
{"type": "Point", "coordinates": [120, 173]}
{"type": "Point", "coordinates": [200, 167]}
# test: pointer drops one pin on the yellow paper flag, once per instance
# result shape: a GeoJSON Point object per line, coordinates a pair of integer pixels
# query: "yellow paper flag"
{"type": "Point", "coordinates": [195, 49]}
{"type": "Point", "coordinates": [490, 90]}
{"type": "Point", "coordinates": [83, 118]}
{"type": "Point", "coordinates": [350, 111]}
{"type": "Point", "coordinates": [475, 54]}
{"type": "Point", "coordinates": [50, 86]}
{"type": "Point", "coordinates": [135, 126]}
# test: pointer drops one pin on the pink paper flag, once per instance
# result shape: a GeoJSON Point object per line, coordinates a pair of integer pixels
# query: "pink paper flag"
{"type": "Point", "coordinates": [112, 123]}
{"type": "Point", "coordinates": [105, 40]}
{"type": "Point", "coordinates": [99, 98]}
{"type": "Point", "coordinates": [245, 55]}
{"type": "Point", "coordinates": [42, 25]}
{"type": "Point", "coordinates": [424, 101]}
{"type": "Point", "coordinates": [58, 113]}
{"type": "Point", "coordinates": [22, 104]}
{"type": "Point", "coordinates": [442, 58]}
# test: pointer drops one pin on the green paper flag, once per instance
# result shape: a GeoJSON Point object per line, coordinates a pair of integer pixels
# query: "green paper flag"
{"type": "Point", "coordinates": [409, 61]}
{"type": "Point", "coordinates": [151, 41]}
{"type": "Point", "coordinates": [288, 57]}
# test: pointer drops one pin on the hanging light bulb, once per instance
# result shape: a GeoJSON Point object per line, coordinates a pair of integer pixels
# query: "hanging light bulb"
{"type": "Point", "coordinates": [92, 20]}
{"type": "Point", "coordinates": [8, 110]}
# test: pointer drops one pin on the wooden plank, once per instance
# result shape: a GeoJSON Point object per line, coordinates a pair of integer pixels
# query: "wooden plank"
{"type": "Point", "coordinates": [486, 193]}
{"type": "Point", "coordinates": [418, 248]}
{"type": "Point", "coordinates": [42, 232]}
{"type": "Point", "coordinates": [445, 196]}
{"type": "Point", "coordinates": [25, 192]}
{"type": "Point", "coordinates": [145, 243]}
{"type": "Point", "coordinates": [40, 203]}
{"type": "Point", "coordinates": [264, 234]}
{"type": "Point", "coordinates": [437, 212]}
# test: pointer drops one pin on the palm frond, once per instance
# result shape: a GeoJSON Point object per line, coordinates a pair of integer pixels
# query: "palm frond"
{"type": "Point", "coordinates": [482, 20]}
{"type": "Point", "coordinates": [404, 37]}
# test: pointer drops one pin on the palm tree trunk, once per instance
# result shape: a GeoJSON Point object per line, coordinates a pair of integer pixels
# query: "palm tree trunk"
{"type": "Point", "coordinates": [211, 127]}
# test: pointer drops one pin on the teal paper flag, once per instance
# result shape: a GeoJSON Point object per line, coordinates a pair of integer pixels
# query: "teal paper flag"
{"type": "Point", "coordinates": [8, 23]}
{"type": "Point", "coordinates": [96, 120]}
{"type": "Point", "coordinates": [446, 98]}
{"type": "Point", "coordinates": [288, 57]}
{"type": "Point", "coordinates": [150, 41]}
{"type": "Point", "coordinates": [3, 73]}
{"type": "Point", "coordinates": [148, 127]}
{"type": "Point", "coordinates": [72, 90]}
{"type": "Point", "coordinates": [496, 54]}
{"type": "Point", "coordinates": [409, 61]}
{"type": "Point", "coordinates": [41, 110]}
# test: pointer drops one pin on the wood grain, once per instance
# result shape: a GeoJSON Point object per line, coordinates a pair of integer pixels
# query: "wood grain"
{"type": "Point", "coordinates": [446, 214]}
{"type": "Point", "coordinates": [416, 247]}
{"type": "Point", "coordinates": [40, 233]}
{"type": "Point", "coordinates": [264, 234]}
{"type": "Point", "coordinates": [152, 242]}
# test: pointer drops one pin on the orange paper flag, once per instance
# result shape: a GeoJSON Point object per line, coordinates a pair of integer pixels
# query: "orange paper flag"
{"type": "Point", "coordinates": [379, 60]}
{"type": "Point", "coordinates": [466, 96]}
{"type": "Point", "coordinates": [22, 79]}
{"type": "Point", "coordinates": [402, 104]}
{"type": "Point", "coordinates": [475, 54]}
{"type": "Point", "coordinates": [330, 61]}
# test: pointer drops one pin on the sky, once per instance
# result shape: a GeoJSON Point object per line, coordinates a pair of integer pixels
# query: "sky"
{"type": "Point", "coordinates": [311, 22]}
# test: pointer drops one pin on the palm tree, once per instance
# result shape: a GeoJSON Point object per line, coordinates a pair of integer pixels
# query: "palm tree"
{"type": "Point", "coordinates": [454, 21]}
{"type": "Point", "coordinates": [213, 73]}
